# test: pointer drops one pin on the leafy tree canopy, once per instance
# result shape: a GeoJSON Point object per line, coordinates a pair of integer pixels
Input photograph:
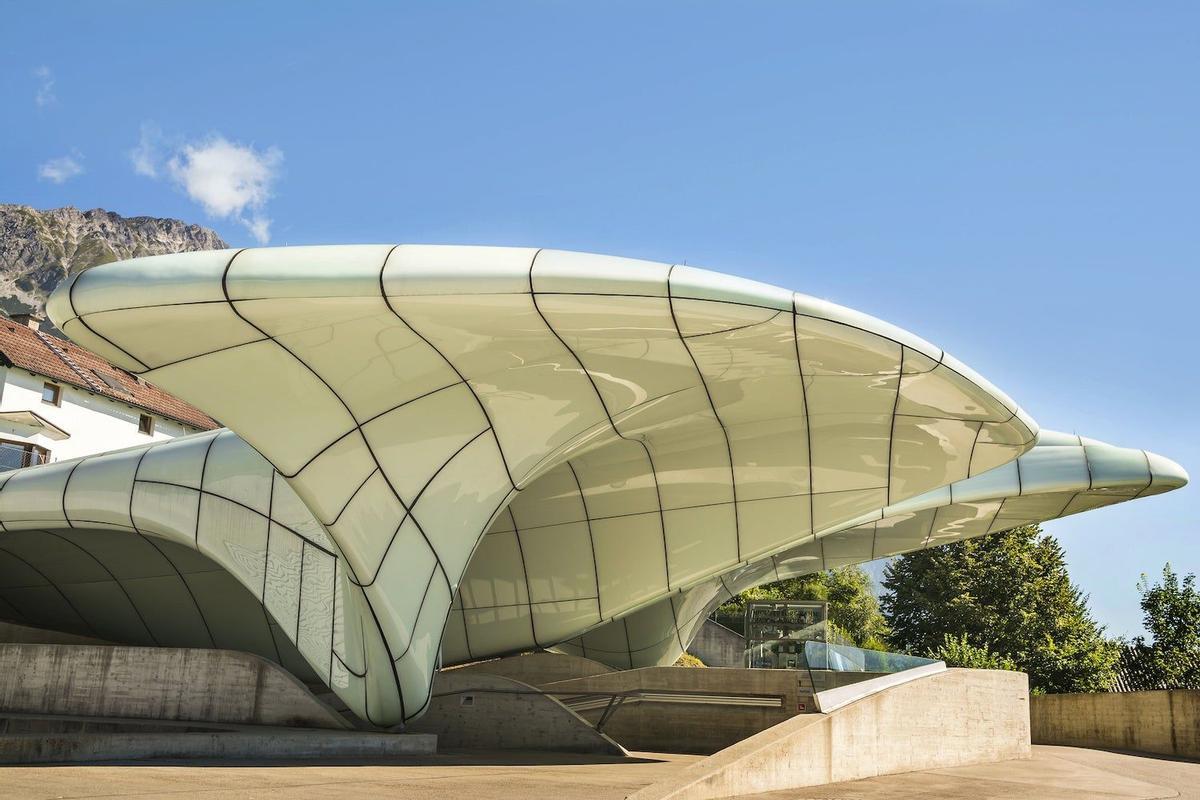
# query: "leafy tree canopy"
{"type": "Point", "coordinates": [959, 652]}
{"type": "Point", "coordinates": [1171, 613]}
{"type": "Point", "coordinates": [1008, 593]}
{"type": "Point", "coordinates": [853, 609]}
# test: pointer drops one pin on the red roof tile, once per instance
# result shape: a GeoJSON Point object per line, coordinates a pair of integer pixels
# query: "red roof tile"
{"type": "Point", "coordinates": [66, 362]}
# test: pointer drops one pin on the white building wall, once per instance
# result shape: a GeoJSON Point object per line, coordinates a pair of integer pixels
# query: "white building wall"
{"type": "Point", "coordinates": [96, 424]}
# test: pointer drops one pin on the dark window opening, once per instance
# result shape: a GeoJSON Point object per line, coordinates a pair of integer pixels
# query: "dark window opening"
{"type": "Point", "coordinates": [146, 424]}
{"type": "Point", "coordinates": [52, 394]}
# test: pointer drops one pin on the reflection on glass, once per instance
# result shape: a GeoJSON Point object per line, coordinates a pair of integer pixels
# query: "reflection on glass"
{"type": "Point", "coordinates": [796, 634]}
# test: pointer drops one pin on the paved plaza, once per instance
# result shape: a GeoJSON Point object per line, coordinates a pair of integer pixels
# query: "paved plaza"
{"type": "Point", "coordinates": [1054, 773]}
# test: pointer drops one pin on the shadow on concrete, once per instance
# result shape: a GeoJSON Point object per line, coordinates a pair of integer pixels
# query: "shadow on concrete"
{"type": "Point", "coordinates": [447, 758]}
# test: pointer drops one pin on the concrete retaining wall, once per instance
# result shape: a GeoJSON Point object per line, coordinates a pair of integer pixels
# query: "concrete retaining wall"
{"type": "Point", "coordinates": [717, 646]}
{"type": "Point", "coordinates": [953, 718]}
{"type": "Point", "coordinates": [265, 746]}
{"type": "Point", "coordinates": [671, 727]}
{"type": "Point", "coordinates": [156, 683]}
{"type": "Point", "coordinates": [537, 669]}
{"type": "Point", "coordinates": [1162, 722]}
{"type": "Point", "coordinates": [475, 710]}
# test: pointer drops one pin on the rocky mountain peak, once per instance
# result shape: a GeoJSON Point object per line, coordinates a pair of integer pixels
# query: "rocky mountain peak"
{"type": "Point", "coordinates": [39, 249]}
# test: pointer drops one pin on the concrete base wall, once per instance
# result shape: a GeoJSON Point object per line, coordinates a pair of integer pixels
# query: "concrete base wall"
{"type": "Point", "coordinates": [156, 683]}
{"type": "Point", "coordinates": [717, 646]}
{"type": "Point", "coordinates": [669, 727]}
{"type": "Point", "coordinates": [1162, 722]}
{"type": "Point", "coordinates": [953, 718]}
{"type": "Point", "coordinates": [474, 710]}
{"type": "Point", "coordinates": [266, 746]}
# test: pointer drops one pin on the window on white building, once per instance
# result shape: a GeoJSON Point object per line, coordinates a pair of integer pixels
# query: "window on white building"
{"type": "Point", "coordinates": [146, 424]}
{"type": "Point", "coordinates": [52, 394]}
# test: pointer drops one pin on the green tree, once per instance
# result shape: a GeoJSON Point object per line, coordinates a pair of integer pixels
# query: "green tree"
{"type": "Point", "coordinates": [1171, 614]}
{"type": "Point", "coordinates": [957, 651]}
{"type": "Point", "coordinates": [853, 609]}
{"type": "Point", "coordinates": [1010, 590]}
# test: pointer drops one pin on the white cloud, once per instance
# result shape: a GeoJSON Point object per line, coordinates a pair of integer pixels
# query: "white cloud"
{"type": "Point", "coordinates": [45, 91]}
{"type": "Point", "coordinates": [229, 180]}
{"type": "Point", "coordinates": [147, 156]}
{"type": "Point", "coordinates": [61, 169]}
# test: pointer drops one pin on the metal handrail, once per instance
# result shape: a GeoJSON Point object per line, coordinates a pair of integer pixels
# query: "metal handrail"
{"type": "Point", "coordinates": [579, 701]}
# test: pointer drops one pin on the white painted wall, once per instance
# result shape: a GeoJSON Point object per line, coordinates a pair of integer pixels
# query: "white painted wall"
{"type": "Point", "coordinates": [97, 424]}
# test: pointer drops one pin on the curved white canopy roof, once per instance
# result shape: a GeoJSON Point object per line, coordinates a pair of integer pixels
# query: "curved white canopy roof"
{"type": "Point", "coordinates": [622, 431]}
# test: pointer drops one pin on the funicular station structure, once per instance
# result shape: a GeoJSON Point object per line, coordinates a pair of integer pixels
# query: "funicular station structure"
{"type": "Point", "coordinates": [435, 455]}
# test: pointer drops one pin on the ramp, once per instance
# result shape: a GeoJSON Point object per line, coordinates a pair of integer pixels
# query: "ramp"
{"type": "Point", "coordinates": [950, 718]}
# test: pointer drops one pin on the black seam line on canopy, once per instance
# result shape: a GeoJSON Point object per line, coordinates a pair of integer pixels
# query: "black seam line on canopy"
{"type": "Point", "coordinates": [662, 521]}
{"type": "Point", "coordinates": [1149, 475]}
{"type": "Point", "coordinates": [723, 331]}
{"type": "Point", "coordinates": [337, 517]}
{"type": "Point", "coordinates": [149, 540]}
{"type": "Point", "coordinates": [970, 459]}
{"type": "Point", "coordinates": [53, 585]}
{"type": "Point", "coordinates": [527, 605]}
{"type": "Point", "coordinates": [350, 413]}
{"type": "Point", "coordinates": [387, 648]}
{"type": "Point", "coordinates": [438, 650]}
{"type": "Point", "coordinates": [417, 616]}
{"type": "Point", "coordinates": [267, 546]}
{"type": "Point", "coordinates": [345, 666]}
{"type": "Point", "coordinates": [366, 422]}
{"type": "Point", "coordinates": [14, 613]}
{"type": "Point", "coordinates": [892, 437]}
{"type": "Point", "coordinates": [308, 597]}
{"type": "Point", "coordinates": [218, 496]}
{"type": "Point", "coordinates": [200, 493]}
{"type": "Point", "coordinates": [479, 401]}
{"type": "Point", "coordinates": [720, 504]}
{"type": "Point", "coordinates": [812, 523]}
{"type": "Point", "coordinates": [411, 514]}
{"type": "Point", "coordinates": [137, 611]}
{"type": "Point", "coordinates": [156, 367]}
{"type": "Point", "coordinates": [333, 619]}
{"type": "Point", "coordinates": [737, 528]}
{"type": "Point", "coordinates": [628, 642]}
{"type": "Point", "coordinates": [366, 691]}
{"type": "Point", "coordinates": [501, 507]}
{"type": "Point", "coordinates": [525, 575]}
{"type": "Point", "coordinates": [83, 322]}
{"type": "Point", "coordinates": [675, 623]}
{"type": "Point", "coordinates": [299, 594]}
{"type": "Point", "coordinates": [587, 518]}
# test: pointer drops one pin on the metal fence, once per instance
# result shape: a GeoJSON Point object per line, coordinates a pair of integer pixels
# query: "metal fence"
{"type": "Point", "coordinates": [16, 456]}
{"type": "Point", "coordinates": [1136, 671]}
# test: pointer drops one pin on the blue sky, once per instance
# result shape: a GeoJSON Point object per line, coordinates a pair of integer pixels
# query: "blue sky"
{"type": "Point", "coordinates": [1015, 181]}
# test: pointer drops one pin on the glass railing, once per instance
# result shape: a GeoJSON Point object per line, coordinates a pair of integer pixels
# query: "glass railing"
{"type": "Point", "coordinates": [845, 658]}
{"type": "Point", "coordinates": [828, 656]}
